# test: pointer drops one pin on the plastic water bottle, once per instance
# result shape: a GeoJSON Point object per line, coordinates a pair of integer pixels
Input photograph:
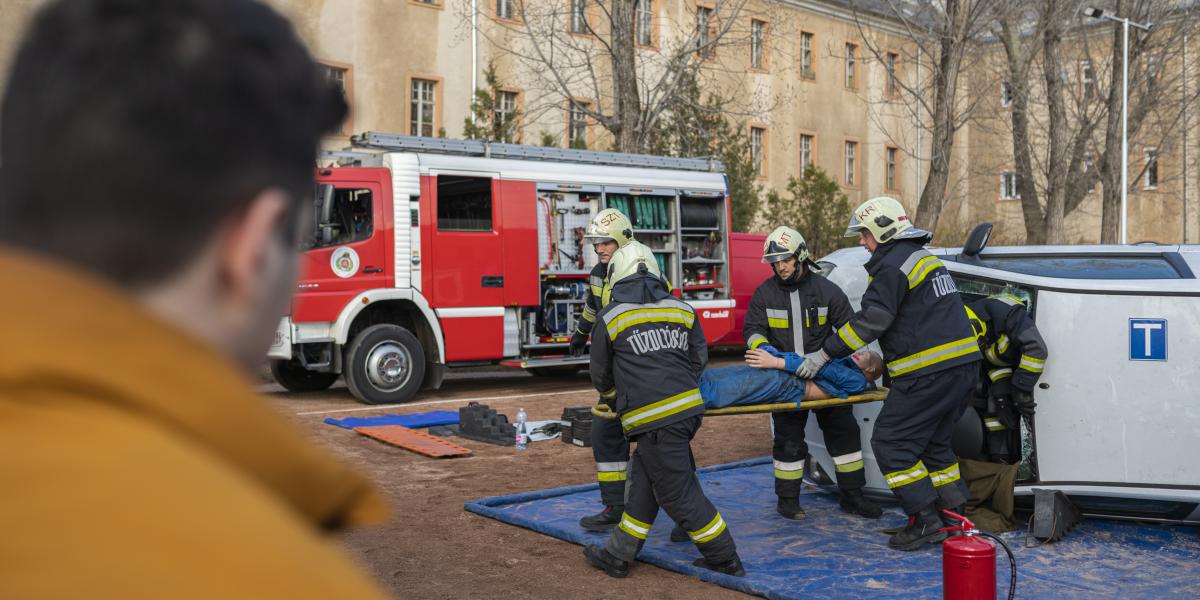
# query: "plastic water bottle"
{"type": "Point", "coordinates": [522, 431]}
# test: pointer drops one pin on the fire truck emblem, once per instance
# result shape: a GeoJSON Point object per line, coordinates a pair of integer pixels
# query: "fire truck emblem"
{"type": "Point", "coordinates": [344, 262]}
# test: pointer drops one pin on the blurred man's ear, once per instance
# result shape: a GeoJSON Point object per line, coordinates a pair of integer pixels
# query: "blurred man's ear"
{"type": "Point", "coordinates": [247, 239]}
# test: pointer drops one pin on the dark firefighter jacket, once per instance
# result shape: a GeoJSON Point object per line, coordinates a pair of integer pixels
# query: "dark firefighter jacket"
{"type": "Point", "coordinates": [1011, 344]}
{"type": "Point", "coordinates": [913, 308]}
{"type": "Point", "coordinates": [591, 303]}
{"type": "Point", "coordinates": [647, 355]}
{"type": "Point", "coordinates": [795, 317]}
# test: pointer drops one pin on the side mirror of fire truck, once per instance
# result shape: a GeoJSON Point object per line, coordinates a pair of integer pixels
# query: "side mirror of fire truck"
{"type": "Point", "coordinates": [323, 213]}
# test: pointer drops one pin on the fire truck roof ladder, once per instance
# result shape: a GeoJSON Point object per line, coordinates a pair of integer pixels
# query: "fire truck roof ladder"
{"type": "Point", "coordinates": [488, 149]}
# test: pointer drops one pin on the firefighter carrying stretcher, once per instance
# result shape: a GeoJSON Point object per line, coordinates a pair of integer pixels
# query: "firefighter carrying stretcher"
{"type": "Point", "coordinates": [647, 356]}
{"type": "Point", "coordinates": [1014, 354]}
{"type": "Point", "coordinates": [796, 310]}
{"type": "Point", "coordinates": [913, 308]}
{"type": "Point", "coordinates": [609, 231]}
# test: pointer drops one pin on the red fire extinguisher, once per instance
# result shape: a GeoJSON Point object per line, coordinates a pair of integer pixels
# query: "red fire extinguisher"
{"type": "Point", "coordinates": [969, 563]}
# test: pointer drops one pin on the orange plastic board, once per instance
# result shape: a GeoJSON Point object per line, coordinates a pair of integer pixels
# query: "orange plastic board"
{"type": "Point", "coordinates": [417, 441]}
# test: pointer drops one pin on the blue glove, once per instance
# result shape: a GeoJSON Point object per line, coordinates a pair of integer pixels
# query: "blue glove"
{"type": "Point", "coordinates": [771, 349]}
{"type": "Point", "coordinates": [813, 362]}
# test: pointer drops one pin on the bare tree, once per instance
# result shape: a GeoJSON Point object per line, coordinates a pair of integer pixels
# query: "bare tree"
{"type": "Point", "coordinates": [628, 59]}
{"type": "Point", "coordinates": [1066, 138]}
{"type": "Point", "coordinates": [946, 35]}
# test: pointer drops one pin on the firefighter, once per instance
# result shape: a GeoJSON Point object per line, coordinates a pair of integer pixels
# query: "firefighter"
{"type": "Point", "coordinates": [1014, 354]}
{"type": "Point", "coordinates": [609, 231]}
{"type": "Point", "coordinates": [646, 361]}
{"type": "Point", "coordinates": [912, 307]}
{"type": "Point", "coordinates": [795, 311]}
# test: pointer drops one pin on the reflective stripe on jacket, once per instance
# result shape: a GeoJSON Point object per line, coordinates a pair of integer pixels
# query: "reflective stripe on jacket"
{"type": "Point", "coordinates": [648, 356]}
{"type": "Point", "coordinates": [913, 308]}
{"type": "Point", "coordinates": [1012, 342]}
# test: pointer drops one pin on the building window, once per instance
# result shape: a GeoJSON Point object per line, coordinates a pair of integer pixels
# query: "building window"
{"type": "Point", "coordinates": [644, 23]}
{"type": "Point", "coordinates": [1006, 93]}
{"type": "Point", "coordinates": [851, 163]}
{"type": "Point", "coordinates": [422, 108]}
{"type": "Point", "coordinates": [506, 115]}
{"type": "Point", "coordinates": [1008, 186]}
{"type": "Point", "coordinates": [506, 9]}
{"type": "Point", "coordinates": [806, 56]}
{"type": "Point", "coordinates": [577, 125]}
{"type": "Point", "coordinates": [340, 78]}
{"type": "Point", "coordinates": [1151, 177]}
{"type": "Point", "coordinates": [851, 66]}
{"type": "Point", "coordinates": [890, 62]}
{"type": "Point", "coordinates": [1087, 78]}
{"type": "Point", "coordinates": [579, 16]}
{"type": "Point", "coordinates": [704, 23]}
{"type": "Point", "coordinates": [806, 153]}
{"type": "Point", "coordinates": [1088, 166]}
{"type": "Point", "coordinates": [757, 147]}
{"type": "Point", "coordinates": [758, 32]}
{"type": "Point", "coordinates": [891, 156]}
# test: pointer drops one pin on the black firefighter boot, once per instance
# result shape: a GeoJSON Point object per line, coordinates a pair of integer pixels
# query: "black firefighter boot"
{"type": "Point", "coordinates": [923, 528]}
{"type": "Point", "coordinates": [855, 503]}
{"type": "Point", "coordinates": [599, 557]}
{"type": "Point", "coordinates": [732, 566]}
{"type": "Point", "coordinates": [789, 508]}
{"type": "Point", "coordinates": [604, 520]}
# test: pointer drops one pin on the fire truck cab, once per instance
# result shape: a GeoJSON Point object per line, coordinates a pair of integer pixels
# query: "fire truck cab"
{"type": "Point", "coordinates": [432, 254]}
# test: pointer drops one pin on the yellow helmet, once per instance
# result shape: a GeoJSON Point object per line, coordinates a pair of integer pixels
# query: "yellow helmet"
{"type": "Point", "coordinates": [626, 262]}
{"type": "Point", "coordinates": [609, 224]}
{"type": "Point", "coordinates": [886, 219]}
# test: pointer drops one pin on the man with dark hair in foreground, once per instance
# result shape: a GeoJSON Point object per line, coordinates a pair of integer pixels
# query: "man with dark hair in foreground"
{"type": "Point", "coordinates": [156, 164]}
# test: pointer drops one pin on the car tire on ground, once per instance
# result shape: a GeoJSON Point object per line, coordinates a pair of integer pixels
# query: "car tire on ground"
{"type": "Point", "coordinates": [556, 371]}
{"type": "Point", "coordinates": [384, 364]}
{"type": "Point", "coordinates": [295, 378]}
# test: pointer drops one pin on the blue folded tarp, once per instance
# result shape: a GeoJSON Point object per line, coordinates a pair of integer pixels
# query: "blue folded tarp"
{"type": "Point", "coordinates": [831, 554]}
{"type": "Point", "coordinates": [425, 419]}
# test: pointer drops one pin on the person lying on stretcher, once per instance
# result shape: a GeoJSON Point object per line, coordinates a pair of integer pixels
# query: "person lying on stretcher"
{"type": "Point", "coordinates": [770, 379]}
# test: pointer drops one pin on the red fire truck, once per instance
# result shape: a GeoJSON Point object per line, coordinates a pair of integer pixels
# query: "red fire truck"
{"type": "Point", "coordinates": [432, 254]}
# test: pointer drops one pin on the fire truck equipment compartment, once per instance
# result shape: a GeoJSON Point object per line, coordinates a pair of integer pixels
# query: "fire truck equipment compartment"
{"type": "Point", "coordinates": [832, 554]}
{"type": "Point", "coordinates": [425, 419]}
{"type": "Point", "coordinates": [417, 441]}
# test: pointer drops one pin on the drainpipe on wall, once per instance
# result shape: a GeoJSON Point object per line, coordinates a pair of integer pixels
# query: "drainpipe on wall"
{"type": "Point", "coordinates": [917, 162]}
{"type": "Point", "coordinates": [474, 51]}
{"type": "Point", "coordinates": [1186, 124]}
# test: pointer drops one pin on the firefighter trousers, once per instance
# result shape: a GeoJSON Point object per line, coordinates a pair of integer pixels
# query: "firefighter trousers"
{"type": "Point", "coordinates": [611, 451]}
{"type": "Point", "coordinates": [842, 439]}
{"type": "Point", "coordinates": [662, 473]}
{"type": "Point", "coordinates": [912, 437]}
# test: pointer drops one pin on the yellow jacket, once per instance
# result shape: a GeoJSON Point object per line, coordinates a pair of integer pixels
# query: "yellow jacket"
{"type": "Point", "coordinates": [137, 463]}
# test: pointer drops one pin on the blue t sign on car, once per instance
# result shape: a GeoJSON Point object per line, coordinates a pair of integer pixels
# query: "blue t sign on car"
{"type": "Point", "coordinates": [1148, 339]}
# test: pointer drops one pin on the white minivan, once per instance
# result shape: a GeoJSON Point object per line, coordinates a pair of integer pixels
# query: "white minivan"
{"type": "Point", "coordinates": [1117, 427]}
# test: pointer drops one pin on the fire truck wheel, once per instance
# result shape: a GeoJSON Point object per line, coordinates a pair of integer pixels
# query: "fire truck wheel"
{"type": "Point", "coordinates": [295, 378]}
{"type": "Point", "coordinates": [555, 371]}
{"type": "Point", "coordinates": [384, 364]}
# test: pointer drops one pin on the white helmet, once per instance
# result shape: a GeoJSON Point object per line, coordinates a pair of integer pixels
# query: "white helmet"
{"type": "Point", "coordinates": [784, 243]}
{"type": "Point", "coordinates": [609, 224]}
{"type": "Point", "coordinates": [626, 262]}
{"type": "Point", "coordinates": [886, 219]}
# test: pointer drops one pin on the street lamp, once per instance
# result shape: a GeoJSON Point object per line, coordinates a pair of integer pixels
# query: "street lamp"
{"type": "Point", "coordinates": [1097, 13]}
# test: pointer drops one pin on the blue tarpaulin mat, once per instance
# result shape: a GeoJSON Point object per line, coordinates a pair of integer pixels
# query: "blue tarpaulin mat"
{"type": "Point", "coordinates": [425, 419]}
{"type": "Point", "coordinates": [831, 553]}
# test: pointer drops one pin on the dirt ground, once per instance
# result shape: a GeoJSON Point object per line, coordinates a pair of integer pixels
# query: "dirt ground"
{"type": "Point", "coordinates": [433, 548]}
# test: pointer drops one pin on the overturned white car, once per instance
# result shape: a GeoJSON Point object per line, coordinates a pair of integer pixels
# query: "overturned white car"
{"type": "Point", "coordinates": [1117, 426]}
